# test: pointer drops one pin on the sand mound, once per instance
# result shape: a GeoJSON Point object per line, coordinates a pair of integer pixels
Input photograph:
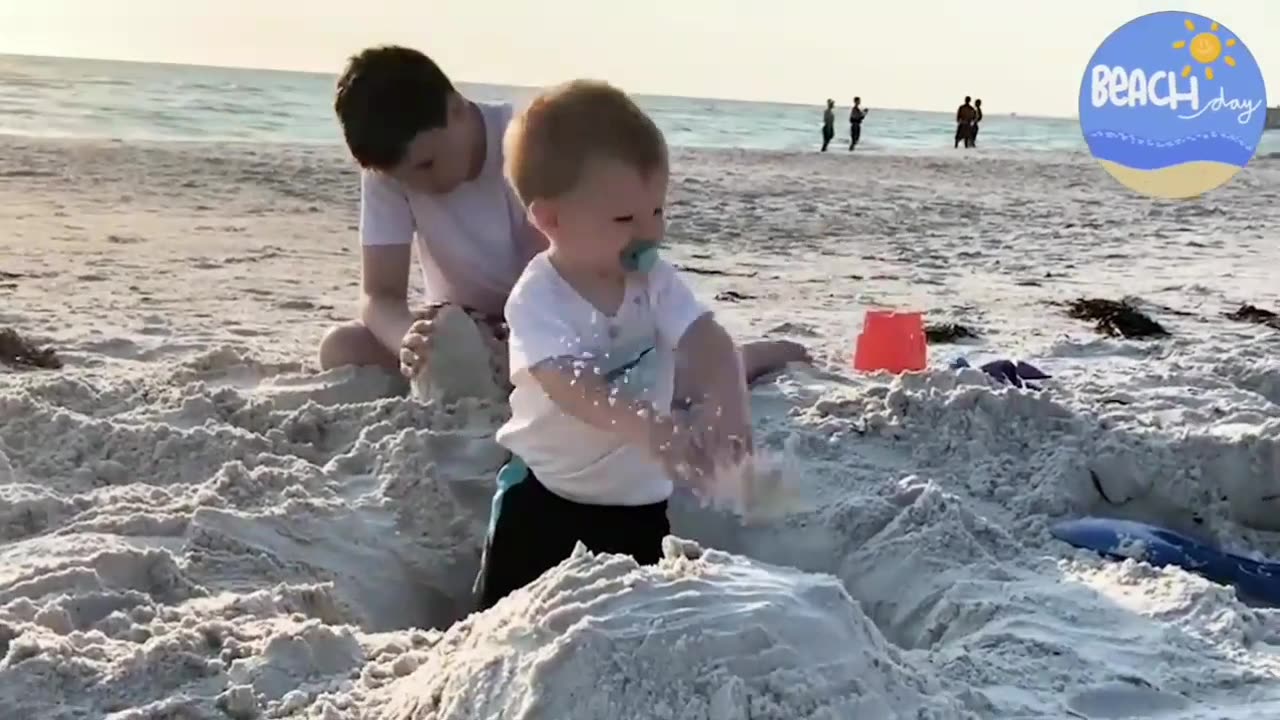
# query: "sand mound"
{"type": "Point", "coordinates": [699, 636]}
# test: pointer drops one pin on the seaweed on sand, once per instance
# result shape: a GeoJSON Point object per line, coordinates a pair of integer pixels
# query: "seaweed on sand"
{"type": "Point", "coordinates": [1116, 318]}
{"type": "Point", "coordinates": [949, 332]}
{"type": "Point", "coordinates": [1257, 315]}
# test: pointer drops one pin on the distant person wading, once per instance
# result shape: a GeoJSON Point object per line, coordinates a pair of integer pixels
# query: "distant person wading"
{"type": "Point", "coordinates": [828, 124]}
{"type": "Point", "coordinates": [977, 120]}
{"type": "Point", "coordinates": [966, 117]}
{"type": "Point", "coordinates": [856, 116]}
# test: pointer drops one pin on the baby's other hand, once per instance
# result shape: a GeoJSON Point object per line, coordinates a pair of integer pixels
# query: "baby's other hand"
{"type": "Point", "coordinates": [681, 448]}
{"type": "Point", "coordinates": [725, 433]}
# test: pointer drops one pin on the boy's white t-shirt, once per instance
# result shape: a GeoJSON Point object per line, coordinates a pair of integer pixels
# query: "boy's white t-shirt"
{"type": "Point", "coordinates": [472, 242]}
{"type": "Point", "coordinates": [634, 350]}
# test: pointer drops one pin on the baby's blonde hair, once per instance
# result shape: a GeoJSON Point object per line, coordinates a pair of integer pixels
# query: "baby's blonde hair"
{"type": "Point", "coordinates": [548, 144]}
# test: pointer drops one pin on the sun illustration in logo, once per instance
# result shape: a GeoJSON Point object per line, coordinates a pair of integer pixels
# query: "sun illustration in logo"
{"type": "Point", "coordinates": [1206, 48]}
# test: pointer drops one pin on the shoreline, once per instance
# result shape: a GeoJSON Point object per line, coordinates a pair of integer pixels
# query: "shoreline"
{"type": "Point", "coordinates": [942, 150]}
{"type": "Point", "coordinates": [982, 154]}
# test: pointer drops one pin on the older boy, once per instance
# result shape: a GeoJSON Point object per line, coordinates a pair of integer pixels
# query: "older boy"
{"type": "Point", "coordinates": [595, 324]}
{"type": "Point", "coordinates": [432, 174]}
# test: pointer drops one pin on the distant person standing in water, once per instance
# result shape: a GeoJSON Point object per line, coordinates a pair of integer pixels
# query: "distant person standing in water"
{"type": "Point", "coordinates": [965, 117]}
{"type": "Point", "coordinates": [977, 119]}
{"type": "Point", "coordinates": [828, 124]}
{"type": "Point", "coordinates": [855, 122]}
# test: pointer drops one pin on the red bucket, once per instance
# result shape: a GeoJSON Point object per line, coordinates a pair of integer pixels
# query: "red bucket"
{"type": "Point", "coordinates": [891, 341]}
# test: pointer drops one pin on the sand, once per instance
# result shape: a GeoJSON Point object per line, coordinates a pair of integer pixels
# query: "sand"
{"type": "Point", "coordinates": [196, 523]}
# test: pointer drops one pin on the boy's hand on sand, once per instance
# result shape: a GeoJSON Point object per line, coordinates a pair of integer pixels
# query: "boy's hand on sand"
{"type": "Point", "coordinates": [417, 341]}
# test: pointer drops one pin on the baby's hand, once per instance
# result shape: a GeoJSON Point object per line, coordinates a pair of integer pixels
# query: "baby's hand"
{"type": "Point", "coordinates": [725, 434]}
{"type": "Point", "coordinates": [677, 443]}
{"type": "Point", "coordinates": [723, 424]}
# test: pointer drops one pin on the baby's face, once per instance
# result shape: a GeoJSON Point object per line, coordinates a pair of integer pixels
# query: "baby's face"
{"type": "Point", "coordinates": [613, 205]}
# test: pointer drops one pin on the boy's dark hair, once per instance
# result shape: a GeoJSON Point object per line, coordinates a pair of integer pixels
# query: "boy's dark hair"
{"type": "Point", "coordinates": [385, 97]}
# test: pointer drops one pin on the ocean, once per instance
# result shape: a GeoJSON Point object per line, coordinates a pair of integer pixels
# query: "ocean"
{"type": "Point", "coordinates": [63, 97]}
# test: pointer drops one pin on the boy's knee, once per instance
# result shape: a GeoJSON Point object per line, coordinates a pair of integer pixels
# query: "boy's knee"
{"type": "Point", "coordinates": [352, 343]}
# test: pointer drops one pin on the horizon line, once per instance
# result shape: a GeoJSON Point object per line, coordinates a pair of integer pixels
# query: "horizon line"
{"type": "Point", "coordinates": [293, 71]}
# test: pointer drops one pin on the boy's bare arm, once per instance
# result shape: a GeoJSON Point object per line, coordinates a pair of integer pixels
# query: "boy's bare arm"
{"type": "Point", "coordinates": [384, 293]}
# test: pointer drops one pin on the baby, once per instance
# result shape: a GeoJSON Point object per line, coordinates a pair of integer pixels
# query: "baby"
{"type": "Point", "coordinates": [596, 322]}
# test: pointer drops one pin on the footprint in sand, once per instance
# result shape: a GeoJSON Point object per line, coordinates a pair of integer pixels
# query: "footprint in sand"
{"type": "Point", "coordinates": [792, 328]}
{"type": "Point", "coordinates": [116, 347]}
{"type": "Point", "coordinates": [1125, 700]}
{"type": "Point", "coordinates": [155, 325]}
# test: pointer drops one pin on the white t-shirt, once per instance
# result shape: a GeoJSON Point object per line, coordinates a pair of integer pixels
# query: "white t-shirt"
{"type": "Point", "coordinates": [472, 242]}
{"type": "Point", "coordinates": [635, 350]}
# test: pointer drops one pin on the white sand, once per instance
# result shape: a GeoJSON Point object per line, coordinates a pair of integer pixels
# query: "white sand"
{"type": "Point", "coordinates": [194, 523]}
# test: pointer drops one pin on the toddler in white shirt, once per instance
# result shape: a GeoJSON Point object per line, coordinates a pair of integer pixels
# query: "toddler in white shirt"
{"type": "Point", "coordinates": [595, 324]}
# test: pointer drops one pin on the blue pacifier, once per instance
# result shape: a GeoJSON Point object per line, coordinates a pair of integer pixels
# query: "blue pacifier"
{"type": "Point", "coordinates": [639, 256]}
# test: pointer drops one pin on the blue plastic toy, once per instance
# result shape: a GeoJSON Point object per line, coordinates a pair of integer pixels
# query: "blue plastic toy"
{"type": "Point", "coordinates": [1259, 580]}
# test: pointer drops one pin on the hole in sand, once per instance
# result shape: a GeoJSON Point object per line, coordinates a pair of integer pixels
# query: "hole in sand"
{"type": "Point", "coordinates": [18, 351]}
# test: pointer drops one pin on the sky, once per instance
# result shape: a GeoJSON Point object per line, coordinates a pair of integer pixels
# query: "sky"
{"type": "Point", "coordinates": [1025, 56]}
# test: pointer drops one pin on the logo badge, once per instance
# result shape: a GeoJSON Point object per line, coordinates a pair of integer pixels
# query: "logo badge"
{"type": "Point", "coordinates": [1173, 104]}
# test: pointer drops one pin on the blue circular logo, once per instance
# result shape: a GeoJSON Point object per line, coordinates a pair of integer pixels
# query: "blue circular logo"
{"type": "Point", "coordinates": [1173, 104]}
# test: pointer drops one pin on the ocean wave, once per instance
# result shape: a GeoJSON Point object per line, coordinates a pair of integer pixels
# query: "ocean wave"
{"type": "Point", "coordinates": [35, 83]}
{"type": "Point", "coordinates": [108, 82]}
{"type": "Point", "coordinates": [1144, 154]}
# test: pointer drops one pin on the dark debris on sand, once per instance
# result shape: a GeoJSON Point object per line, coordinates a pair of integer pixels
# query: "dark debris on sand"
{"type": "Point", "coordinates": [733, 296]}
{"type": "Point", "coordinates": [695, 270]}
{"type": "Point", "coordinates": [1116, 318]}
{"type": "Point", "coordinates": [949, 332]}
{"type": "Point", "coordinates": [1257, 315]}
{"type": "Point", "coordinates": [20, 352]}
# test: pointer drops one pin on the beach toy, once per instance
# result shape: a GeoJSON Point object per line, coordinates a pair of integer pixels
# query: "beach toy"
{"type": "Point", "coordinates": [891, 341]}
{"type": "Point", "coordinates": [639, 256]}
{"type": "Point", "coordinates": [1008, 371]}
{"type": "Point", "coordinates": [1121, 539]}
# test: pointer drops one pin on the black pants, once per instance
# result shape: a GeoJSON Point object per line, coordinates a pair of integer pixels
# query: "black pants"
{"type": "Point", "coordinates": [537, 529]}
{"type": "Point", "coordinates": [973, 136]}
{"type": "Point", "coordinates": [855, 132]}
{"type": "Point", "coordinates": [828, 132]}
